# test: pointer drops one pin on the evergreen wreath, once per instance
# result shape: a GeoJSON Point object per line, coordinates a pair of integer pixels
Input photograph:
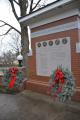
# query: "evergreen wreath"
{"type": "Point", "coordinates": [12, 79]}
{"type": "Point", "coordinates": [61, 84]}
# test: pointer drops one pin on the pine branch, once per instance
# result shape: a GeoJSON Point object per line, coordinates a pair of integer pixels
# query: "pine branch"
{"type": "Point", "coordinates": [5, 23]}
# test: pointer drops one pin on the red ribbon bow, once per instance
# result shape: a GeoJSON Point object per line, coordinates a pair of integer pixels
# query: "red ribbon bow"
{"type": "Point", "coordinates": [13, 72]}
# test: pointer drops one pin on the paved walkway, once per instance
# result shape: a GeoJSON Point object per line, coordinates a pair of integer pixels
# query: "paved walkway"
{"type": "Point", "coordinates": [29, 106]}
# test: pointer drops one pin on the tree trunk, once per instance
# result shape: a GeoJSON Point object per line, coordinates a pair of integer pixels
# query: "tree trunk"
{"type": "Point", "coordinates": [25, 49]}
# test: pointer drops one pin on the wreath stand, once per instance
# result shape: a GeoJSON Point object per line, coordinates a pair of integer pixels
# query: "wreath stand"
{"type": "Point", "coordinates": [12, 81]}
{"type": "Point", "coordinates": [62, 86]}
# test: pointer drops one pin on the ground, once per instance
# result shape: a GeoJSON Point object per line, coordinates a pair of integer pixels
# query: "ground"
{"type": "Point", "coordinates": [32, 106]}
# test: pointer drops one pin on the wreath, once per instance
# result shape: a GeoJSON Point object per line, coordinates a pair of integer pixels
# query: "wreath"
{"type": "Point", "coordinates": [12, 79]}
{"type": "Point", "coordinates": [61, 84]}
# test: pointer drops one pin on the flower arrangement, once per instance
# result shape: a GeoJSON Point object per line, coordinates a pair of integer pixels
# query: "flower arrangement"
{"type": "Point", "coordinates": [11, 80]}
{"type": "Point", "coordinates": [62, 84]}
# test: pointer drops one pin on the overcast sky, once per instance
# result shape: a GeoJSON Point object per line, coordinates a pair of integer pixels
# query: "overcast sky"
{"type": "Point", "coordinates": [7, 15]}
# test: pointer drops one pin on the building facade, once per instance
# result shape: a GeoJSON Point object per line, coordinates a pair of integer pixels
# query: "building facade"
{"type": "Point", "coordinates": [55, 40]}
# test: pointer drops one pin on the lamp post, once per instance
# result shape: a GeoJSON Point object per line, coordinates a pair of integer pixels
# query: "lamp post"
{"type": "Point", "coordinates": [20, 59]}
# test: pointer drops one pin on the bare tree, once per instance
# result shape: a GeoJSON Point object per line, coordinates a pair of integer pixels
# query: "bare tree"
{"type": "Point", "coordinates": [24, 6]}
{"type": "Point", "coordinates": [15, 43]}
{"type": "Point", "coordinates": [7, 59]}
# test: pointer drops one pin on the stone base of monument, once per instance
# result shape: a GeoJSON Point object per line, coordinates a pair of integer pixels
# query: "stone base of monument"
{"type": "Point", "coordinates": [76, 96]}
{"type": "Point", "coordinates": [37, 86]}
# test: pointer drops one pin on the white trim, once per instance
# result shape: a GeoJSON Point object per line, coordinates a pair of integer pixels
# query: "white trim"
{"type": "Point", "coordinates": [30, 52]}
{"type": "Point", "coordinates": [59, 28]}
{"type": "Point", "coordinates": [56, 17]}
{"type": "Point", "coordinates": [79, 24]}
{"type": "Point", "coordinates": [52, 6]}
{"type": "Point", "coordinates": [79, 29]}
{"type": "Point", "coordinates": [78, 47]}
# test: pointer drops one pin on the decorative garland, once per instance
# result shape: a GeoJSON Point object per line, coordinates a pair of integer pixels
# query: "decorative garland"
{"type": "Point", "coordinates": [62, 84]}
{"type": "Point", "coordinates": [12, 79]}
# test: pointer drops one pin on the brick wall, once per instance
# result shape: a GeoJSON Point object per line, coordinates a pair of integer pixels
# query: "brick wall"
{"type": "Point", "coordinates": [75, 57]}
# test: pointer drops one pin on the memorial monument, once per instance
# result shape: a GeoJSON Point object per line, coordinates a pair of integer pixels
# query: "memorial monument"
{"type": "Point", "coordinates": [55, 40]}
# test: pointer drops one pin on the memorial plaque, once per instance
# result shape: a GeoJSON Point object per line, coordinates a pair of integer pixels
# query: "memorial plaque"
{"type": "Point", "coordinates": [49, 57]}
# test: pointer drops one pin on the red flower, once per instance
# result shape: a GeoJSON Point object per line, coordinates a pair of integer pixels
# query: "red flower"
{"type": "Point", "coordinates": [59, 90]}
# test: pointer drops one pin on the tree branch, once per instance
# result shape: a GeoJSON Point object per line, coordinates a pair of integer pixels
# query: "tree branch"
{"type": "Point", "coordinates": [13, 9]}
{"type": "Point", "coordinates": [36, 5]}
{"type": "Point", "coordinates": [16, 2]}
{"type": "Point", "coordinates": [13, 46]}
{"type": "Point", "coordinates": [6, 32]}
{"type": "Point", "coordinates": [23, 7]}
{"type": "Point", "coordinates": [2, 25]}
{"type": "Point", "coordinates": [10, 26]}
{"type": "Point", "coordinates": [31, 6]}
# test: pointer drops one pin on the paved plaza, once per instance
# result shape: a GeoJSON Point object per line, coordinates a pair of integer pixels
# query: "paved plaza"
{"type": "Point", "coordinates": [32, 106]}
